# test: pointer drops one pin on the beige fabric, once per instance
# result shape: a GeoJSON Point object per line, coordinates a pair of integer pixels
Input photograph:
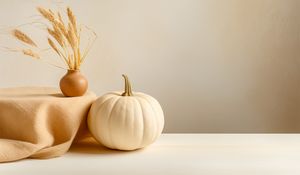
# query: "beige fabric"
{"type": "Point", "coordinates": [39, 122]}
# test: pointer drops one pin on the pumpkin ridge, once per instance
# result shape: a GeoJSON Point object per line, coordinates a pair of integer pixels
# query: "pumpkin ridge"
{"type": "Point", "coordinates": [109, 121]}
{"type": "Point", "coordinates": [160, 112]}
{"type": "Point", "coordinates": [136, 118]}
{"type": "Point", "coordinates": [155, 117]}
{"type": "Point", "coordinates": [124, 113]}
{"type": "Point", "coordinates": [141, 107]}
{"type": "Point", "coordinates": [133, 119]}
{"type": "Point", "coordinates": [103, 104]}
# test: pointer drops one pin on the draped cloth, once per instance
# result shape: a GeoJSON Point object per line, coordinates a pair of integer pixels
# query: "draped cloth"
{"type": "Point", "coordinates": [39, 122]}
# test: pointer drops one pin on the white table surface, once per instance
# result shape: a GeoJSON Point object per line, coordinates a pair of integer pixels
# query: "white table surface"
{"type": "Point", "coordinates": [186, 154]}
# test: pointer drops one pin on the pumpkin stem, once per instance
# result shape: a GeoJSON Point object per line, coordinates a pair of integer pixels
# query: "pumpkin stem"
{"type": "Point", "coordinates": [128, 91]}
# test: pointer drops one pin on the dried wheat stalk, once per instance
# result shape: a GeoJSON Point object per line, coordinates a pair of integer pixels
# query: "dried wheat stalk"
{"type": "Point", "coordinates": [53, 46]}
{"type": "Point", "coordinates": [30, 53]}
{"type": "Point", "coordinates": [46, 14]}
{"type": "Point", "coordinates": [72, 20]}
{"type": "Point", "coordinates": [23, 37]}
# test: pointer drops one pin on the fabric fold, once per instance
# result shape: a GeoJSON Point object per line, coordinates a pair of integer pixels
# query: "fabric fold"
{"type": "Point", "coordinates": [39, 122]}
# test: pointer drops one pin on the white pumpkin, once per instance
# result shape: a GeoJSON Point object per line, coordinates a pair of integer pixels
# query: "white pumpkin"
{"type": "Point", "coordinates": [126, 121]}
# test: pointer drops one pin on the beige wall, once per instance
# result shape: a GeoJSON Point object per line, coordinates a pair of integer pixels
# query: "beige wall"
{"type": "Point", "coordinates": [215, 65]}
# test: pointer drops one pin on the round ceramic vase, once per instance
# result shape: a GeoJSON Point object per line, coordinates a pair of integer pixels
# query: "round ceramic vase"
{"type": "Point", "coordinates": [73, 84]}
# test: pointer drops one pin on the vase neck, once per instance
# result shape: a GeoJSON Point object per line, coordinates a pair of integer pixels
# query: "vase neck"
{"type": "Point", "coordinates": [73, 71]}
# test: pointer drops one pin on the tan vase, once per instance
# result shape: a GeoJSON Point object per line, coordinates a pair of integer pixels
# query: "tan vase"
{"type": "Point", "coordinates": [73, 84]}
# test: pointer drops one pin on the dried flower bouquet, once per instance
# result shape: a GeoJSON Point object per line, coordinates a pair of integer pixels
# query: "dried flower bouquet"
{"type": "Point", "coordinates": [63, 37]}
